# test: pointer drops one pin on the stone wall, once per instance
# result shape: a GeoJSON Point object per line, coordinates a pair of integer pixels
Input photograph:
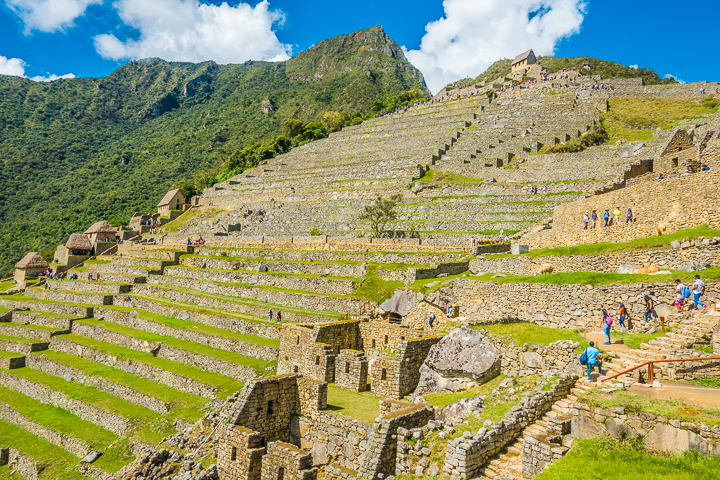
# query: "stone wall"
{"type": "Point", "coordinates": [396, 377]}
{"type": "Point", "coordinates": [537, 359]}
{"type": "Point", "coordinates": [235, 324]}
{"type": "Point", "coordinates": [673, 258]}
{"type": "Point", "coordinates": [71, 297]}
{"type": "Point", "coordinates": [679, 203]}
{"type": "Point", "coordinates": [331, 438]}
{"type": "Point", "coordinates": [380, 459]}
{"type": "Point", "coordinates": [240, 454]}
{"type": "Point", "coordinates": [659, 433]}
{"type": "Point", "coordinates": [558, 306]}
{"type": "Point", "coordinates": [19, 463]}
{"type": "Point", "coordinates": [229, 263]}
{"type": "Point", "coordinates": [351, 370]}
{"type": "Point", "coordinates": [144, 370]}
{"type": "Point", "coordinates": [88, 287]}
{"type": "Point", "coordinates": [8, 363]}
{"type": "Point", "coordinates": [716, 340]}
{"type": "Point", "coordinates": [383, 337]}
{"type": "Point", "coordinates": [132, 320]}
{"type": "Point", "coordinates": [468, 454]}
{"type": "Point", "coordinates": [538, 453]}
{"type": "Point", "coordinates": [59, 308]}
{"type": "Point", "coordinates": [115, 423]}
{"type": "Point", "coordinates": [285, 461]}
{"type": "Point", "coordinates": [72, 445]}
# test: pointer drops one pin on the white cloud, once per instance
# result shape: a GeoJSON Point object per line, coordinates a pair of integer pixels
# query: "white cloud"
{"type": "Point", "coordinates": [670, 75]}
{"type": "Point", "coordinates": [16, 68]}
{"type": "Point", "coordinates": [475, 33]}
{"type": "Point", "coordinates": [187, 30]}
{"type": "Point", "coordinates": [633, 66]}
{"type": "Point", "coordinates": [48, 15]}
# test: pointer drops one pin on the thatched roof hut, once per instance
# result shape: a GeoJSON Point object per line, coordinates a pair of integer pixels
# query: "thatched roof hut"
{"type": "Point", "coordinates": [79, 242]}
{"type": "Point", "coordinates": [100, 227]}
{"type": "Point", "coordinates": [32, 260]}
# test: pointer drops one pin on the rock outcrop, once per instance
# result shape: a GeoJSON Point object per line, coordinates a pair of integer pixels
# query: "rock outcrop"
{"type": "Point", "coordinates": [463, 359]}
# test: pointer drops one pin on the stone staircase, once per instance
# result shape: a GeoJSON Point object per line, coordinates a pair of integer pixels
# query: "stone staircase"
{"type": "Point", "coordinates": [508, 462]}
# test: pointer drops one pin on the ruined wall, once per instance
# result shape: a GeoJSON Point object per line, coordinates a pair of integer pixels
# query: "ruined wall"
{"type": "Point", "coordinates": [240, 454]}
{"type": "Point", "coordinates": [351, 371]}
{"type": "Point", "coordinates": [285, 461]}
{"type": "Point", "coordinates": [18, 462]}
{"type": "Point", "coordinates": [396, 377]}
{"type": "Point", "coordinates": [382, 336]}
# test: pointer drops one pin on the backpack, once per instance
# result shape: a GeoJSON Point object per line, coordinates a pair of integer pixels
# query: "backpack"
{"type": "Point", "coordinates": [584, 358]}
{"type": "Point", "coordinates": [686, 292]}
{"type": "Point", "coordinates": [608, 320]}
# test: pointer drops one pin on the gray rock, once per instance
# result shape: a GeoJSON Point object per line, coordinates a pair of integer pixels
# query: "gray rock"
{"type": "Point", "coordinates": [262, 268]}
{"type": "Point", "coordinates": [508, 382]}
{"type": "Point", "coordinates": [433, 471]}
{"type": "Point", "coordinates": [532, 360]}
{"type": "Point", "coordinates": [693, 266]}
{"type": "Point", "coordinates": [441, 297]}
{"type": "Point", "coordinates": [627, 268]}
{"type": "Point", "coordinates": [402, 302]}
{"type": "Point", "coordinates": [461, 408]}
{"type": "Point", "coordinates": [615, 426]}
{"type": "Point", "coordinates": [91, 456]}
{"type": "Point", "coordinates": [675, 244]}
{"type": "Point", "coordinates": [419, 187]}
{"type": "Point", "coordinates": [499, 275]}
{"type": "Point", "coordinates": [582, 427]}
{"type": "Point", "coordinates": [463, 359]}
{"type": "Point", "coordinates": [419, 471]}
{"type": "Point", "coordinates": [519, 249]}
{"type": "Point", "coordinates": [319, 453]}
{"type": "Point", "coordinates": [667, 438]}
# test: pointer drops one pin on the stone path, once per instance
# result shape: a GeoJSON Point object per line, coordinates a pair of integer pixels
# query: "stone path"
{"type": "Point", "coordinates": [708, 397]}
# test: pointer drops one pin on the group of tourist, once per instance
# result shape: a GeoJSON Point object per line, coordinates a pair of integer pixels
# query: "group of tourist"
{"type": "Point", "coordinates": [534, 189]}
{"type": "Point", "coordinates": [501, 238]}
{"type": "Point", "coordinates": [278, 316]}
{"type": "Point", "coordinates": [199, 242]}
{"type": "Point", "coordinates": [688, 171]}
{"type": "Point", "coordinates": [591, 219]}
{"type": "Point", "coordinates": [433, 101]}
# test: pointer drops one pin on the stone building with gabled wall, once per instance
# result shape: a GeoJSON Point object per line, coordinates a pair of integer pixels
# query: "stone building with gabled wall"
{"type": "Point", "coordinates": [30, 266]}
{"type": "Point", "coordinates": [173, 204]}
{"type": "Point", "coordinates": [523, 61]}
{"type": "Point", "coordinates": [76, 250]}
{"type": "Point", "coordinates": [678, 154]}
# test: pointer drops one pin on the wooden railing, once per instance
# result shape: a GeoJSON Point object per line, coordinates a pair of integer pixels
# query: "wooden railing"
{"type": "Point", "coordinates": [650, 363]}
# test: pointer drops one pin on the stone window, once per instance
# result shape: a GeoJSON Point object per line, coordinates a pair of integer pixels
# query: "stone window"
{"type": "Point", "coordinates": [233, 454]}
{"type": "Point", "coordinates": [270, 407]}
{"type": "Point", "coordinates": [286, 358]}
{"type": "Point", "coordinates": [298, 340]}
{"type": "Point", "coordinates": [347, 367]}
{"type": "Point", "coordinates": [675, 162]}
{"type": "Point", "coordinates": [281, 473]}
{"type": "Point", "coordinates": [386, 339]}
{"type": "Point", "coordinates": [402, 339]}
{"type": "Point", "coordinates": [383, 374]}
{"type": "Point", "coordinates": [296, 369]}
{"type": "Point", "coordinates": [373, 343]}
{"type": "Point", "coordinates": [317, 359]}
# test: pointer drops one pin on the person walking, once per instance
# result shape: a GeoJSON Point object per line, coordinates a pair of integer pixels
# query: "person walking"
{"type": "Point", "coordinates": [594, 217]}
{"type": "Point", "coordinates": [590, 357]}
{"type": "Point", "coordinates": [698, 290]}
{"type": "Point", "coordinates": [606, 217]}
{"type": "Point", "coordinates": [279, 316]}
{"type": "Point", "coordinates": [432, 319]}
{"type": "Point", "coordinates": [586, 219]}
{"type": "Point", "coordinates": [681, 293]}
{"type": "Point", "coordinates": [616, 215]}
{"type": "Point", "coordinates": [606, 324]}
{"type": "Point", "coordinates": [270, 315]}
{"type": "Point", "coordinates": [650, 308]}
{"type": "Point", "coordinates": [629, 216]}
{"type": "Point", "coordinates": [447, 311]}
{"type": "Point", "coordinates": [622, 314]}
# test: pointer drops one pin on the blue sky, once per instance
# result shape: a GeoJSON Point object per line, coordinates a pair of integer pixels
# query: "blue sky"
{"type": "Point", "coordinates": [446, 40]}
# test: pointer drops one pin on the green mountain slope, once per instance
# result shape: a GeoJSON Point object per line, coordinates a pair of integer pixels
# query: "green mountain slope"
{"type": "Point", "coordinates": [78, 150]}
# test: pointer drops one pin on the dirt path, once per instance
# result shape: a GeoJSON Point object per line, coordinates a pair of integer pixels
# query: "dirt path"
{"type": "Point", "coordinates": [599, 339]}
{"type": "Point", "coordinates": [707, 397]}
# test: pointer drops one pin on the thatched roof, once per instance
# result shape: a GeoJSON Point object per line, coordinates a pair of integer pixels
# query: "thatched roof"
{"type": "Point", "coordinates": [78, 241]}
{"type": "Point", "coordinates": [523, 56]}
{"type": "Point", "coordinates": [32, 260]}
{"type": "Point", "coordinates": [100, 227]}
{"type": "Point", "coordinates": [169, 196]}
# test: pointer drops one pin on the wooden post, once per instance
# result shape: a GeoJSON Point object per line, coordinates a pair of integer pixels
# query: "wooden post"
{"type": "Point", "coordinates": [662, 324]}
{"type": "Point", "coordinates": [650, 372]}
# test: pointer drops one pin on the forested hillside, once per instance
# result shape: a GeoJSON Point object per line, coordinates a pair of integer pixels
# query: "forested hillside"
{"type": "Point", "coordinates": [76, 151]}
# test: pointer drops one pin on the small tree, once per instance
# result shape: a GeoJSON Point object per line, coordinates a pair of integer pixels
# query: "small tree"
{"type": "Point", "coordinates": [381, 212]}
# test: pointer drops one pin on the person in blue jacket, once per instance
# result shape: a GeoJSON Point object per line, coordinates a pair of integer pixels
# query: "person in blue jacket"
{"type": "Point", "coordinates": [592, 359]}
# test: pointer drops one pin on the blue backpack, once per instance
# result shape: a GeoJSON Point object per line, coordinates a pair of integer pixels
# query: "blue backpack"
{"type": "Point", "coordinates": [584, 358]}
{"type": "Point", "coordinates": [686, 292]}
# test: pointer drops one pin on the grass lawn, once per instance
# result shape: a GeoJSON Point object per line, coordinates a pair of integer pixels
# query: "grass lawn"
{"type": "Point", "coordinates": [6, 285]}
{"type": "Point", "coordinates": [59, 464]}
{"type": "Point", "coordinates": [634, 340]}
{"type": "Point", "coordinates": [639, 403]}
{"type": "Point", "coordinates": [442, 399]}
{"type": "Point", "coordinates": [375, 289]}
{"type": "Point", "coordinates": [362, 406]}
{"type": "Point", "coordinates": [435, 176]}
{"type": "Point", "coordinates": [526, 332]}
{"type": "Point", "coordinates": [10, 354]}
{"type": "Point", "coordinates": [607, 459]}
{"type": "Point", "coordinates": [706, 382]}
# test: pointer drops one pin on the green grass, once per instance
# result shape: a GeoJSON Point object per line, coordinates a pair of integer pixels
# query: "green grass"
{"type": "Point", "coordinates": [19, 339]}
{"type": "Point", "coordinates": [10, 354]}
{"type": "Point", "coordinates": [375, 289]}
{"type": "Point", "coordinates": [633, 340]}
{"type": "Point", "coordinates": [435, 176]}
{"type": "Point", "coordinates": [706, 382]}
{"type": "Point", "coordinates": [225, 385]}
{"type": "Point", "coordinates": [632, 402]}
{"type": "Point", "coordinates": [362, 406]}
{"type": "Point", "coordinates": [526, 332]}
{"type": "Point", "coordinates": [439, 400]}
{"type": "Point", "coordinates": [181, 221]}
{"type": "Point", "coordinates": [609, 459]}
{"type": "Point", "coordinates": [6, 285]}
{"type": "Point", "coordinates": [58, 463]}
{"type": "Point", "coordinates": [258, 365]}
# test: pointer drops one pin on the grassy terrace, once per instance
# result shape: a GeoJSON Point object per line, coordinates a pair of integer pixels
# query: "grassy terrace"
{"type": "Point", "coordinates": [199, 327]}
{"type": "Point", "coordinates": [52, 315]}
{"type": "Point", "coordinates": [263, 260]}
{"type": "Point", "coordinates": [648, 243]}
{"type": "Point", "coordinates": [362, 406]}
{"type": "Point", "coordinates": [59, 464]}
{"type": "Point", "coordinates": [640, 403]}
{"type": "Point", "coordinates": [66, 423]}
{"type": "Point", "coordinates": [26, 298]}
{"type": "Point", "coordinates": [274, 274]}
{"type": "Point", "coordinates": [225, 385]}
{"type": "Point", "coordinates": [182, 405]}
{"type": "Point", "coordinates": [605, 458]}
{"type": "Point", "coordinates": [380, 252]}
{"type": "Point", "coordinates": [259, 366]}
{"type": "Point", "coordinates": [10, 354]}
{"type": "Point", "coordinates": [18, 339]}
{"type": "Point", "coordinates": [526, 332]}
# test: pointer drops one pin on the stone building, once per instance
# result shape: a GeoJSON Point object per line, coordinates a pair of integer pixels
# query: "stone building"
{"type": "Point", "coordinates": [31, 265]}
{"type": "Point", "coordinates": [523, 61]}
{"type": "Point", "coordinates": [678, 154]}
{"type": "Point", "coordinates": [76, 250]}
{"type": "Point", "coordinates": [101, 231]}
{"type": "Point", "coordinates": [173, 201]}
{"type": "Point", "coordinates": [347, 352]}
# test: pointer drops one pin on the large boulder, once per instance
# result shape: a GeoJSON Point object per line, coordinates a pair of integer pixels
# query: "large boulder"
{"type": "Point", "coordinates": [401, 303]}
{"type": "Point", "coordinates": [627, 268]}
{"type": "Point", "coordinates": [461, 408]}
{"type": "Point", "coordinates": [463, 359]}
{"type": "Point", "coordinates": [441, 297]}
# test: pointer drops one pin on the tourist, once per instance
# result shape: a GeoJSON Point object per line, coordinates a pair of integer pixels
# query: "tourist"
{"type": "Point", "coordinates": [270, 315]}
{"type": "Point", "coordinates": [507, 238]}
{"type": "Point", "coordinates": [704, 168]}
{"type": "Point", "coordinates": [279, 316]}
{"type": "Point", "coordinates": [594, 218]}
{"type": "Point", "coordinates": [606, 217]}
{"type": "Point", "coordinates": [586, 219]}
{"type": "Point", "coordinates": [432, 319]}
{"type": "Point", "coordinates": [697, 291]}
{"type": "Point", "coordinates": [189, 241]}
{"type": "Point", "coordinates": [629, 216]}
{"type": "Point", "coordinates": [622, 314]}
{"type": "Point", "coordinates": [447, 311]}
{"type": "Point", "coordinates": [650, 308]}
{"type": "Point", "coordinates": [591, 355]}
{"type": "Point", "coordinates": [659, 177]}
{"type": "Point", "coordinates": [681, 293]}
{"type": "Point", "coordinates": [606, 324]}
{"type": "Point", "coordinates": [616, 215]}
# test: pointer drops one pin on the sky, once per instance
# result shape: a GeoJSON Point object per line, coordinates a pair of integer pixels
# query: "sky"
{"type": "Point", "coordinates": [447, 40]}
